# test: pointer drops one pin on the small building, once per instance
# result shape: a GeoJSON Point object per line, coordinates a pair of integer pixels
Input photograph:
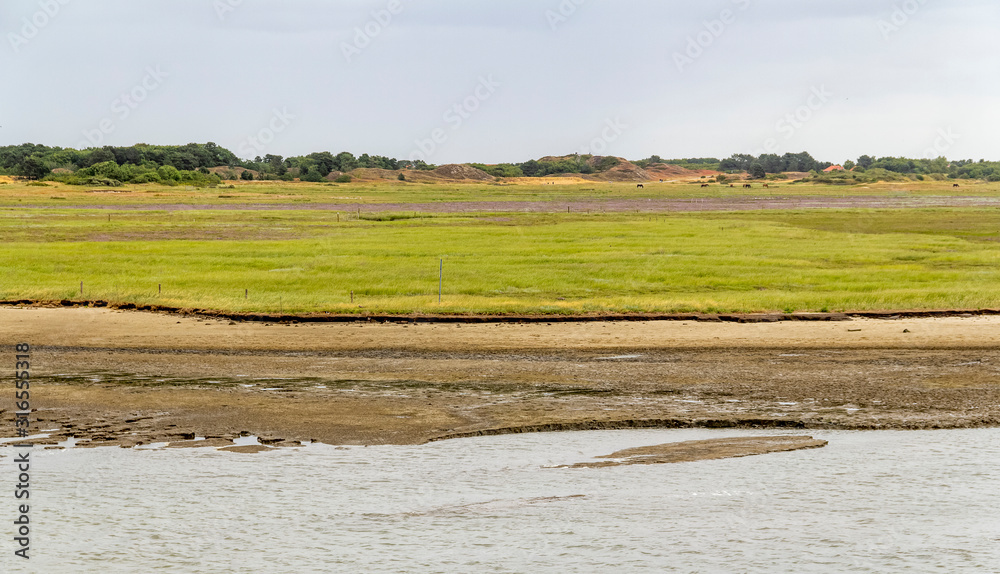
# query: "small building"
{"type": "Point", "coordinates": [834, 168]}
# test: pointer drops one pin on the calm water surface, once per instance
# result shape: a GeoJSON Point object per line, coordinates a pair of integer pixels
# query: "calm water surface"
{"type": "Point", "coordinates": [868, 502]}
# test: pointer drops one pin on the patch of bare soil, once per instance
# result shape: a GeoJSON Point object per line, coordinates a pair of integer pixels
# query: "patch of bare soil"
{"type": "Point", "coordinates": [124, 378]}
{"type": "Point", "coordinates": [462, 172]}
{"type": "Point", "coordinates": [624, 171]}
{"type": "Point", "coordinates": [695, 450]}
{"type": "Point", "coordinates": [368, 173]}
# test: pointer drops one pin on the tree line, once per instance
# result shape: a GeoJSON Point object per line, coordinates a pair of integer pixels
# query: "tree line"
{"type": "Point", "coordinates": [585, 164]}
{"type": "Point", "coordinates": [189, 164]}
{"type": "Point", "coordinates": [193, 164]}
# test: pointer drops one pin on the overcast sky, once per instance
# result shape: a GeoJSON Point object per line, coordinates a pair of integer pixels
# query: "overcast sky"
{"type": "Point", "coordinates": [530, 78]}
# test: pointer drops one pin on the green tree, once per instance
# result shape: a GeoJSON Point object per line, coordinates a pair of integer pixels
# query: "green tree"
{"type": "Point", "coordinates": [757, 171]}
{"type": "Point", "coordinates": [97, 156]}
{"type": "Point", "coordinates": [325, 162]}
{"type": "Point", "coordinates": [346, 162]}
{"type": "Point", "coordinates": [246, 175]}
{"type": "Point", "coordinates": [34, 168]}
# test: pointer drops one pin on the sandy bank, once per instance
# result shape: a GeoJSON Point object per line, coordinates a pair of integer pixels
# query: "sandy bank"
{"type": "Point", "coordinates": [126, 378]}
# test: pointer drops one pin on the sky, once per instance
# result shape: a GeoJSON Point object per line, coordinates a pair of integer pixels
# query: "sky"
{"type": "Point", "coordinates": [507, 81]}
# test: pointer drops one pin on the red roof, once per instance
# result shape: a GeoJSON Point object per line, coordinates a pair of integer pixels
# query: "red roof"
{"type": "Point", "coordinates": [834, 168]}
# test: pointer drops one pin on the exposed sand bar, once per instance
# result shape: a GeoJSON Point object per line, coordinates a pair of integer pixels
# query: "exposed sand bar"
{"type": "Point", "coordinates": [695, 450]}
{"type": "Point", "coordinates": [118, 377]}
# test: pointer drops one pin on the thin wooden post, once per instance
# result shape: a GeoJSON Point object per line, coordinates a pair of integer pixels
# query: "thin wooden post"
{"type": "Point", "coordinates": [440, 279]}
{"type": "Point", "coordinates": [352, 297]}
{"type": "Point", "coordinates": [81, 288]}
{"type": "Point", "coordinates": [246, 293]}
{"type": "Point", "coordinates": [160, 288]}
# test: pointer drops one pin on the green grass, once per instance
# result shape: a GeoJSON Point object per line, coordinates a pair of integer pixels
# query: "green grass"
{"type": "Point", "coordinates": [57, 194]}
{"type": "Point", "coordinates": [303, 261]}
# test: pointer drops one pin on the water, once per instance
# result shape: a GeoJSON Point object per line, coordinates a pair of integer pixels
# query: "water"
{"type": "Point", "coordinates": [868, 502]}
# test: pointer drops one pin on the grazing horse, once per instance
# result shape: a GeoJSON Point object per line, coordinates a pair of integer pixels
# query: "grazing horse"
{"type": "Point", "coordinates": [766, 186]}
{"type": "Point", "coordinates": [731, 185]}
{"type": "Point", "coordinates": [956, 185]}
{"type": "Point", "coordinates": [640, 186]}
{"type": "Point", "coordinates": [704, 185]}
{"type": "Point", "coordinates": [747, 186]}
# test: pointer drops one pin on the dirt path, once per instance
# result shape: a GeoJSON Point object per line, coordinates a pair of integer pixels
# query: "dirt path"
{"type": "Point", "coordinates": [118, 377]}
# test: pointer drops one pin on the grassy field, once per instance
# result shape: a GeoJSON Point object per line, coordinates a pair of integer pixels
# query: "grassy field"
{"type": "Point", "coordinates": [56, 194]}
{"type": "Point", "coordinates": [307, 261]}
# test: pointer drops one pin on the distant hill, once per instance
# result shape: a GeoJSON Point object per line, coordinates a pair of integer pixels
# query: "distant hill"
{"type": "Point", "coordinates": [450, 172]}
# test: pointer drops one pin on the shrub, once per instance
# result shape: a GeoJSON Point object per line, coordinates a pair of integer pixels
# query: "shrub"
{"type": "Point", "coordinates": [151, 177]}
{"type": "Point", "coordinates": [344, 179]}
{"type": "Point", "coordinates": [606, 163]}
{"type": "Point", "coordinates": [168, 172]}
{"type": "Point", "coordinates": [312, 176]}
{"type": "Point", "coordinates": [105, 170]}
{"type": "Point", "coordinates": [101, 181]}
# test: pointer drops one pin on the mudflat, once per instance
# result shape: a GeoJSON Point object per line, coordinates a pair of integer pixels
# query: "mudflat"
{"type": "Point", "coordinates": [112, 377]}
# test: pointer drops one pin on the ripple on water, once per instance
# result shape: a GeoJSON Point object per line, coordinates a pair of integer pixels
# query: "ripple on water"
{"type": "Point", "coordinates": [868, 502]}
